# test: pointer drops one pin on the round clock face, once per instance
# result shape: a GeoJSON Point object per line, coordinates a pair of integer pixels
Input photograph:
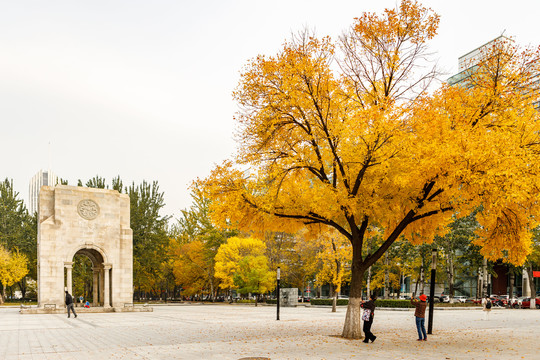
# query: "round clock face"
{"type": "Point", "coordinates": [88, 209]}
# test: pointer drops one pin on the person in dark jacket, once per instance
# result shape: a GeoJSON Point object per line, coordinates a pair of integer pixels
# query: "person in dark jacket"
{"type": "Point", "coordinates": [369, 306]}
{"type": "Point", "coordinates": [420, 316]}
{"type": "Point", "coordinates": [69, 304]}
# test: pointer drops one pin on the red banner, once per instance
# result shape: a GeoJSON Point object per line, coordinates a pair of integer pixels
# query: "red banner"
{"type": "Point", "coordinates": [536, 273]}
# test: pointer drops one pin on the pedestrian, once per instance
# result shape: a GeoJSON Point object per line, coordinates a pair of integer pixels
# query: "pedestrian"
{"type": "Point", "coordinates": [487, 307]}
{"type": "Point", "coordinates": [420, 316]}
{"type": "Point", "coordinates": [367, 316]}
{"type": "Point", "coordinates": [69, 304]}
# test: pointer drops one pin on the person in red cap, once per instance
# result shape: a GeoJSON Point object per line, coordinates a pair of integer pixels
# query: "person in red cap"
{"type": "Point", "coordinates": [420, 315]}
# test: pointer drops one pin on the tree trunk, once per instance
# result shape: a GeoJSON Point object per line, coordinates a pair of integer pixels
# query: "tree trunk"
{"type": "Point", "coordinates": [531, 286]}
{"type": "Point", "coordinates": [511, 290]}
{"type": "Point", "coordinates": [484, 279]}
{"type": "Point", "coordinates": [479, 285]}
{"type": "Point", "coordinates": [422, 278]}
{"type": "Point", "coordinates": [450, 275]}
{"type": "Point", "coordinates": [23, 287]}
{"type": "Point", "coordinates": [386, 276]}
{"type": "Point", "coordinates": [334, 302]}
{"type": "Point", "coordinates": [352, 328]}
{"type": "Point", "coordinates": [368, 289]}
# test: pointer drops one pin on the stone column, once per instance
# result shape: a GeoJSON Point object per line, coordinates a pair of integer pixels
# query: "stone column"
{"type": "Point", "coordinates": [100, 284]}
{"type": "Point", "coordinates": [106, 290]}
{"type": "Point", "coordinates": [69, 277]}
{"type": "Point", "coordinates": [95, 291]}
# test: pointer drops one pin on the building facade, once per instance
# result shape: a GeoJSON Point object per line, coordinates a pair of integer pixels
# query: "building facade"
{"type": "Point", "coordinates": [41, 178]}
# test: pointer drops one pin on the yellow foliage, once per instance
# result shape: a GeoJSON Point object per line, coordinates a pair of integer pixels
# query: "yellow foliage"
{"type": "Point", "coordinates": [360, 144]}
{"type": "Point", "coordinates": [230, 255]}
{"type": "Point", "coordinates": [335, 258]}
{"type": "Point", "coordinates": [13, 266]}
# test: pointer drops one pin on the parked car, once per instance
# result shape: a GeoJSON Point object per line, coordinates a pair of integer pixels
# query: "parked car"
{"type": "Point", "coordinates": [444, 298]}
{"type": "Point", "coordinates": [526, 303]}
{"type": "Point", "coordinates": [461, 299]}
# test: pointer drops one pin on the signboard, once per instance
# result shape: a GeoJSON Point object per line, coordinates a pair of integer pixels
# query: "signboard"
{"type": "Point", "coordinates": [536, 274]}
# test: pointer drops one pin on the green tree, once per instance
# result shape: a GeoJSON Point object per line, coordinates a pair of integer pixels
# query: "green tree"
{"type": "Point", "coordinates": [12, 216]}
{"type": "Point", "coordinates": [150, 236]}
{"type": "Point", "coordinates": [253, 276]}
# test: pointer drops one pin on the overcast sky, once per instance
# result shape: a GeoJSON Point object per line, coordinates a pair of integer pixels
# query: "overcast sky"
{"type": "Point", "coordinates": [142, 89]}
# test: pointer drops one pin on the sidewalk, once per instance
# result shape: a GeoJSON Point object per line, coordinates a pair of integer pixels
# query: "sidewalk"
{"type": "Point", "coordinates": [235, 332]}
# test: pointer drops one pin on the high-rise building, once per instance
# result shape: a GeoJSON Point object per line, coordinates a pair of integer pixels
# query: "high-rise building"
{"type": "Point", "coordinates": [42, 178]}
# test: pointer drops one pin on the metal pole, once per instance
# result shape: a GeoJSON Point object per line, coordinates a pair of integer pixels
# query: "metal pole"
{"type": "Point", "coordinates": [278, 295]}
{"type": "Point", "coordinates": [432, 289]}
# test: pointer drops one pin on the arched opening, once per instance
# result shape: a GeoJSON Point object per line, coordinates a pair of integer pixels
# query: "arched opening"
{"type": "Point", "coordinates": [88, 276]}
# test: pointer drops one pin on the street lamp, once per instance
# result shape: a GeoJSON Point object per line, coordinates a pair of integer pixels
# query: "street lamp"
{"type": "Point", "coordinates": [278, 295]}
{"type": "Point", "coordinates": [432, 288]}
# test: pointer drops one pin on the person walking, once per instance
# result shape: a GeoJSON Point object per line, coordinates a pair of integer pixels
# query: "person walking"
{"type": "Point", "coordinates": [420, 316]}
{"type": "Point", "coordinates": [487, 307]}
{"type": "Point", "coordinates": [69, 304]}
{"type": "Point", "coordinates": [367, 316]}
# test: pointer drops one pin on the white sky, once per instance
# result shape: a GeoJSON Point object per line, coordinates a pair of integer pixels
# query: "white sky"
{"type": "Point", "coordinates": [142, 89]}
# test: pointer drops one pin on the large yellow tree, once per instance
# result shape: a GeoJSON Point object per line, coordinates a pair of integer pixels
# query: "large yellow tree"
{"type": "Point", "coordinates": [345, 135]}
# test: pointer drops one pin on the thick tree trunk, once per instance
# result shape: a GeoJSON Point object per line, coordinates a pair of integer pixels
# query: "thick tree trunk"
{"type": "Point", "coordinates": [334, 302]}
{"type": "Point", "coordinates": [352, 328]}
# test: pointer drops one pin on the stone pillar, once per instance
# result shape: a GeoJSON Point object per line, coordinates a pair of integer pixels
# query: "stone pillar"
{"type": "Point", "coordinates": [106, 287]}
{"type": "Point", "coordinates": [95, 291]}
{"type": "Point", "coordinates": [100, 284]}
{"type": "Point", "coordinates": [69, 277]}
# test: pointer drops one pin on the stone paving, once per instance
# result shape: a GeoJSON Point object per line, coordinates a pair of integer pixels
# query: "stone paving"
{"type": "Point", "coordinates": [242, 331]}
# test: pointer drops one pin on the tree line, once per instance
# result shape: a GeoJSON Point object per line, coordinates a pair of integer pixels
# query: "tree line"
{"type": "Point", "coordinates": [191, 258]}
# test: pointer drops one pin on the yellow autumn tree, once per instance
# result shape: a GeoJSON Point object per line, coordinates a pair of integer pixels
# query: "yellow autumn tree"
{"type": "Point", "coordinates": [364, 143]}
{"type": "Point", "coordinates": [241, 264]}
{"type": "Point", "coordinates": [190, 268]}
{"type": "Point", "coordinates": [13, 267]}
{"type": "Point", "coordinates": [334, 258]}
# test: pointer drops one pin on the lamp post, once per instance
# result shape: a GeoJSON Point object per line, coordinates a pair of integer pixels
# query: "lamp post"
{"type": "Point", "coordinates": [432, 288]}
{"type": "Point", "coordinates": [278, 295]}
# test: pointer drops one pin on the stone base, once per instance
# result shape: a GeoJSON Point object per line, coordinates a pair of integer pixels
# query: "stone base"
{"type": "Point", "coordinates": [82, 310]}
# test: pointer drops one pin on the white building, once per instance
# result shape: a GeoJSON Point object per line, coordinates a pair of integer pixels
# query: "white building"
{"type": "Point", "coordinates": [42, 178]}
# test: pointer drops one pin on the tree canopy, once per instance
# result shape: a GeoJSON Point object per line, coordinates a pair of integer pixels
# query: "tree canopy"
{"type": "Point", "coordinates": [344, 134]}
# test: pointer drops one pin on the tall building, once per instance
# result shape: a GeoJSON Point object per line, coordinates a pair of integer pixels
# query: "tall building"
{"type": "Point", "coordinates": [468, 63]}
{"type": "Point", "coordinates": [42, 178]}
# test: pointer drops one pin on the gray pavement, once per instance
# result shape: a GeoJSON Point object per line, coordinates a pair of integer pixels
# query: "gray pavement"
{"type": "Point", "coordinates": [240, 331]}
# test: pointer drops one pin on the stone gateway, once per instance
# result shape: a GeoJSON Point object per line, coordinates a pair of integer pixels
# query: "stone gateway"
{"type": "Point", "coordinates": [83, 221]}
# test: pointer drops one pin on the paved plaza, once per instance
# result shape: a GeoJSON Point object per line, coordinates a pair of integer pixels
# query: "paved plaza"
{"type": "Point", "coordinates": [242, 331]}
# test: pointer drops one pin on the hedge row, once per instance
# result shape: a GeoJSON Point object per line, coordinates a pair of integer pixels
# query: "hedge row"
{"type": "Point", "coordinates": [381, 303]}
{"type": "Point", "coordinates": [328, 301]}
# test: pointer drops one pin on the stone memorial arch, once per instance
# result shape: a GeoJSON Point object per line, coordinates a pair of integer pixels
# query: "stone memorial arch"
{"type": "Point", "coordinates": [83, 221]}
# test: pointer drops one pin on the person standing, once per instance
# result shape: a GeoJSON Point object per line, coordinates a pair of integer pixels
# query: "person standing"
{"type": "Point", "coordinates": [420, 316]}
{"type": "Point", "coordinates": [487, 307]}
{"type": "Point", "coordinates": [367, 316]}
{"type": "Point", "coordinates": [69, 304]}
